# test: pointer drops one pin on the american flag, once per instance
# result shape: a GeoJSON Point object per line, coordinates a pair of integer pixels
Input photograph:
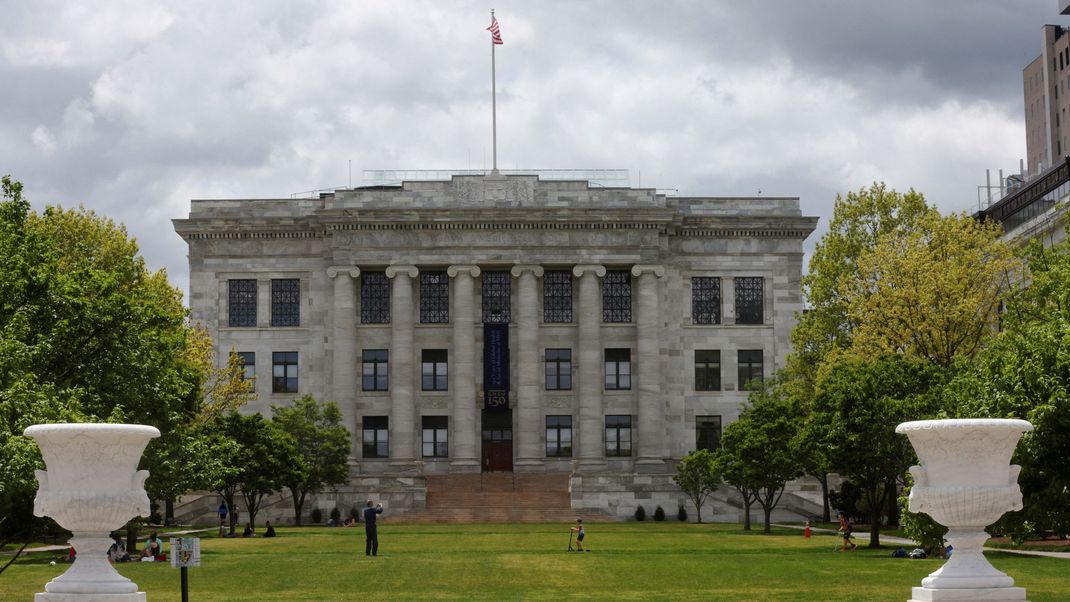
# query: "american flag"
{"type": "Point", "coordinates": [495, 33]}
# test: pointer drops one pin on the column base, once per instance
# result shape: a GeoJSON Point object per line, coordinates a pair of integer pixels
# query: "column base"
{"type": "Point", "coordinates": [651, 466]}
{"type": "Point", "coordinates": [464, 466]}
{"type": "Point", "coordinates": [47, 597]}
{"type": "Point", "coordinates": [987, 594]}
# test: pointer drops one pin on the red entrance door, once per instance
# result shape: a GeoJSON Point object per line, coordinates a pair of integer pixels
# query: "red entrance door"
{"type": "Point", "coordinates": [497, 441]}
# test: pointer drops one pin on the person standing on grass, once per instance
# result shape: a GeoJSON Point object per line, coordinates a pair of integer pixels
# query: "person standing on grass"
{"type": "Point", "coordinates": [222, 518]}
{"type": "Point", "coordinates": [846, 528]}
{"type": "Point", "coordinates": [371, 536]}
{"type": "Point", "coordinates": [579, 534]}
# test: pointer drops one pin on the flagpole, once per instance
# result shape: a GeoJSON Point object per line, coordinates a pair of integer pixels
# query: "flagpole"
{"type": "Point", "coordinates": [493, 99]}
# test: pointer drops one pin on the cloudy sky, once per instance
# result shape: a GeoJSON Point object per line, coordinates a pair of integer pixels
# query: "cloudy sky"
{"type": "Point", "coordinates": [133, 108]}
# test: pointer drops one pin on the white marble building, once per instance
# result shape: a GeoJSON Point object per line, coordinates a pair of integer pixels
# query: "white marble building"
{"type": "Point", "coordinates": [634, 320]}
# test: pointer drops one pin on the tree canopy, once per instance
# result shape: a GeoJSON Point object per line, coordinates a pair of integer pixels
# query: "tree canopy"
{"type": "Point", "coordinates": [322, 447]}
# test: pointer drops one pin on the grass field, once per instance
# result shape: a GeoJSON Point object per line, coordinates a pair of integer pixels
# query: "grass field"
{"type": "Point", "coordinates": [629, 561]}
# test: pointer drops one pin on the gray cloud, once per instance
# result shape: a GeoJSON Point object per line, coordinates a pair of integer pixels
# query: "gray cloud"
{"type": "Point", "coordinates": [134, 108]}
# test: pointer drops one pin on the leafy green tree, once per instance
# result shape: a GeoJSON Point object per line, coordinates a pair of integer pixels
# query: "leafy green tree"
{"type": "Point", "coordinates": [933, 291]}
{"type": "Point", "coordinates": [1024, 372]}
{"type": "Point", "coordinates": [735, 473]}
{"type": "Point", "coordinates": [697, 476]}
{"type": "Point", "coordinates": [322, 447]}
{"type": "Point", "coordinates": [861, 401]}
{"type": "Point", "coordinates": [86, 333]}
{"type": "Point", "coordinates": [761, 448]}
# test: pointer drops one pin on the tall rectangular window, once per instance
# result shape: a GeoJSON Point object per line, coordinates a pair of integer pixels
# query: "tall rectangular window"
{"type": "Point", "coordinates": [434, 298]}
{"type": "Point", "coordinates": [559, 436]}
{"type": "Point", "coordinates": [617, 296]}
{"type": "Point", "coordinates": [557, 297]}
{"type": "Point", "coordinates": [558, 369]}
{"type": "Point", "coordinates": [374, 298]}
{"type": "Point", "coordinates": [248, 364]}
{"type": "Point", "coordinates": [618, 369]}
{"type": "Point", "coordinates": [618, 435]}
{"type": "Point", "coordinates": [705, 300]}
{"type": "Point", "coordinates": [284, 372]}
{"type": "Point", "coordinates": [241, 303]}
{"type": "Point", "coordinates": [436, 436]}
{"type": "Point", "coordinates": [285, 302]}
{"type": "Point", "coordinates": [750, 300]}
{"type": "Point", "coordinates": [375, 371]}
{"type": "Point", "coordinates": [496, 290]}
{"type": "Point", "coordinates": [707, 370]}
{"type": "Point", "coordinates": [708, 432]}
{"type": "Point", "coordinates": [376, 437]}
{"type": "Point", "coordinates": [751, 373]}
{"type": "Point", "coordinates": [434, 370]}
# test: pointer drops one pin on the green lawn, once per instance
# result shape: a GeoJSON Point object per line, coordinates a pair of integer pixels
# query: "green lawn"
{"type": "Point", "coordinates": [630, 561]}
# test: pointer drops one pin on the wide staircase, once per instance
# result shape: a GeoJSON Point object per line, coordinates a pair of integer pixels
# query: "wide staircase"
{"type": "Point", "coordinates": [493, 497]}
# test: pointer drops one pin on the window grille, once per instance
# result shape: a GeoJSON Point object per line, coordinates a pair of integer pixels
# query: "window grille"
{"type": "Point", "coordinates": [374, 298]}
{"type": "Point", "coordinates": [706, 300]}
{"type": "Point", "coordinates": [241, 303]}
{"type": "Point", "coordinates": [557, 297]}
{"type": "Point", "coordinates": [286, 302]}
{"type": "Point", "coordinates": [434, 298]}
{"type": "Point", "coordinates": [496, 289]}
{"type": "Point", "coordinates": [750, 300]}
{"type": "Point", "coordinates": [617, 296]}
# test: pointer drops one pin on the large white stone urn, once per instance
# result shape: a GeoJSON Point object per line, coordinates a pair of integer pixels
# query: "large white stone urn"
{"type": "Point", "coordinates": [966, 482]}
{"type": "Point", "coordinates": [91, 488]}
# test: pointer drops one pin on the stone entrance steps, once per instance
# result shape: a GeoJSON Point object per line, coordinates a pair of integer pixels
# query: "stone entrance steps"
{"type": "Point", "coordinates": [498, 497]}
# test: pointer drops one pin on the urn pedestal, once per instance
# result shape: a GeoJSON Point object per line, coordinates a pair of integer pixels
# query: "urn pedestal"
{"type": "Point", "coordinates": [965, 482]}
{"type": "Point", "coordinates": [91, 488]}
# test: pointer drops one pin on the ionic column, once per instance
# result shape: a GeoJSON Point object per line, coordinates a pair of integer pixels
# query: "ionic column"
{"type": "Point", "coordinates": [528, 426]}
{"type": "Point", "coordinates": [402, 401]}
{"type": "Point", "coordinates": [344, 361]}
{"type": "Point", "coordinates": [647, 371]}
{"type": "Point", "coordinates": [464, 449]}
{"type": "Point", "coordinates": [589, 372]}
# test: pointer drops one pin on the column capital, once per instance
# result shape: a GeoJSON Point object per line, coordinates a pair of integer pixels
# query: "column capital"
{"type": "Point", "coordinates": [455, 270]}
{"type": "Point", "coordinates": [335, 270]}
{"type": "Point", "coordinates": [639, 270]}
{"type": "Point", "coordinates": [408, 270]}
{"type": "Point", "coordinates": [520, 269]}
{"type": "Point", "coordinates": [599, 270]}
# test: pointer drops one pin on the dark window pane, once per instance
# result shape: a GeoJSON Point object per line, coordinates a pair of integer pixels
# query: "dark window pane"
{"type": "Point", "coordinates": [375, 370]}
{"type": "Point", "coordinates": [248, 363]}
{"type": "Point", "coordinates": [750, 300]}
{"type": "Point", "coordinates": [376, 437]}
{"type": "Point", "coordinates": [435, 438]}
{"type": "Point", "coordinates": [434, 298]}
{"type": "Point", "coordinates": [285, 302]}
{"type": "Point", "coordinates": [707, 370]}
{"type": "Point", "coordinates": [617, 296]}
{"type": "Point", "coordinates": [751, 373]}
{"type": "Point", "coordinates": [618, 369]}
{"type": "Point", "coordinates": [708, 432]}
{"type": "Point", "coordinates": [434, 370]}
{"type": "Point", "coordinates": [558, 369]}
{"type": "Point", "coordinates": [706, 300]}
{"type": "Point", "coordinates": [284, 372]}
{"type": "Point", "coordinates": [496, 290]}
{"type": "Point", "coordinates": [558, 436]}
{"type": "Point", "coordinates": [557, 297]}
{"type": "Point", "coordinates": [374, 298]}
{"type": "Point", "coordinates": [241, 303]}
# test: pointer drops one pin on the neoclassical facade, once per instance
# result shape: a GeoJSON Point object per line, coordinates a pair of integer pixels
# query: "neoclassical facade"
{"type": "Point", "coordinates": [505, 323]}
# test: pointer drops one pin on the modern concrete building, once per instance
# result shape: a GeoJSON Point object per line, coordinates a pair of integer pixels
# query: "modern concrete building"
{"type": "Point", "coordinates": [505, 323]}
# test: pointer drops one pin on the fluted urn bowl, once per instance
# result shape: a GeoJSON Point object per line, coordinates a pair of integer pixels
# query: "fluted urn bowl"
{"type": "Point", "coordinates": [91, 487]}
{"type": "Point", "coordinates": [966, 482]}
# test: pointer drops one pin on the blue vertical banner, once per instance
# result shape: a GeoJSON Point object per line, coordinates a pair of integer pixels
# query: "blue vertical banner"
{"type": "Point", "coordinates": [496, 367]}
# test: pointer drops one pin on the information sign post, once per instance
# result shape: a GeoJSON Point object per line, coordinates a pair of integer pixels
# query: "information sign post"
{"type": "Point", "coordinates": [185, 552]}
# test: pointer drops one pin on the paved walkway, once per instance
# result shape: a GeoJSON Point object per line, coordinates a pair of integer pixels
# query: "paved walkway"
{"type": "Point", "coordinates": [905, 541]}
{"type": "Point", "coordinates": [63, 547]}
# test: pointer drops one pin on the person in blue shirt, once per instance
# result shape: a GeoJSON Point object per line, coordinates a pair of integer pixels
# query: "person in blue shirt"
{"type": "Point", "coordinates": [579, 534]}
{"type": "Point", "coordinates": [371, 536]}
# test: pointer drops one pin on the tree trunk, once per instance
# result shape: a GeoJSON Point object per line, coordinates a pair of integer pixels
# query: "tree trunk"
{"type": "Point", "coordinates": [768, 512]}
{"type": "Point", "coordinates": [169, 512]}
{"type": "Point", "coordinates": [698, 510]}
{"type": "Point", "coordinates": [826, 513]}
{"type": "Point", "coordinates": [746, 513]}
{"type": "Point", "coordinates": [299, 503]}
{"type": "Point", "coordinates": [875, 502]}
{"type": "Point", "coordinates": [131, 538]}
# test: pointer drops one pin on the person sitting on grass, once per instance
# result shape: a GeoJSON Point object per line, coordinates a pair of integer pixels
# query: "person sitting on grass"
{"type": "Point", "coordinates": [117, 551]}
{"type": "Point", "coordinates": [153, 546]}
{"type": "Point", "coordinates": [269, 531]}
{"type": "Point", "coordinates": [248, 532]}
